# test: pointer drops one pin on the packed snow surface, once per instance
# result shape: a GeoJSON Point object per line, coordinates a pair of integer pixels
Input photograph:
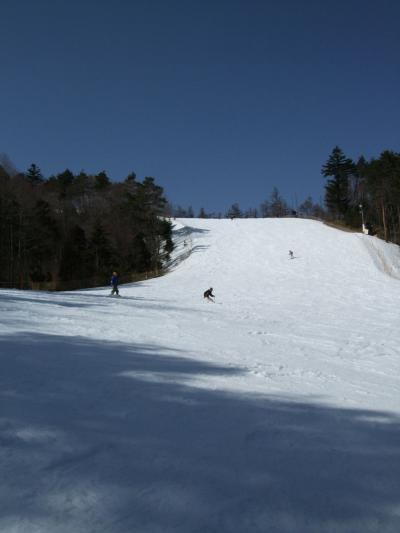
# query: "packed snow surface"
{"type": "Point", "coordinates": [274, 409]}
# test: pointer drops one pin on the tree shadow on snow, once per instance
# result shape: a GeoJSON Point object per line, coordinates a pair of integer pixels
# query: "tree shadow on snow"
{"type": "Point", "coordinates": [45, 298]}
{"type": "Point", "coordinates": [191, 229]}
{"type": "Point", "coordinates": [199, 248]}
{"type": "Point", "coordinates": [103, 437]}
{"type": "Point", "coordinates": [79, 300]}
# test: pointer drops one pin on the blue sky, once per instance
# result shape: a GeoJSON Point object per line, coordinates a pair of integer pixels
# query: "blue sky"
{"type": "Point", "coordinates": [220, 101]}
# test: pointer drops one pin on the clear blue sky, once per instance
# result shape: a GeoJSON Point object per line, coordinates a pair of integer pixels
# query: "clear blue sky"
{"type": "Point", "coordinates": [220, 100]}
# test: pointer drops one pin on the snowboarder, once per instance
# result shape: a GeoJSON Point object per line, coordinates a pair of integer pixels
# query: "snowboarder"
{"type": "Point", "coordinates": [209, 294]}
{"type": "Point", "coordinates": [114, 284]}
{"type": "Point", "coordinates": [291, 254]}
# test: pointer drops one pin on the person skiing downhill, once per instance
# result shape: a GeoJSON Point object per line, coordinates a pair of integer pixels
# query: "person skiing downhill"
{"type": "Point", "coordinates": [208, 294]}
{"type": "Point", "coordinates": [114, 284]}
{"type": "Point", "coordinates": [291, 254]}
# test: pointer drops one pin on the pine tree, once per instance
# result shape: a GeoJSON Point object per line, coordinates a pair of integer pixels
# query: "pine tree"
{"type": "Point", "coordinates": [234, 211]}
{"type": "Point", "coordinates": [64, 180]}
{"type": "Point", "coordinates": [337, 189]}
{"type": "Point", "coordinates": [101, 250]}
{"type": "Point", "coordinates": [34, 175]}
{"type": "Point", "coordinates": [166, 235]}
{"type": "Point", "coordinates": [102, 181]}
{"type": "Point", "coordinates": [139, 259]}
{"type": "Point", "coordinates": [130, 178]}
{"type": "Point", "coordinates": [75, 260]}
{"type": "Point", "coordinates": [41, 241]}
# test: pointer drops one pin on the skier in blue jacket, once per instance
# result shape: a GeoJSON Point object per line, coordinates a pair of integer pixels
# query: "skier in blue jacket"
{"type": "Point", "coordinates": [114, 284]}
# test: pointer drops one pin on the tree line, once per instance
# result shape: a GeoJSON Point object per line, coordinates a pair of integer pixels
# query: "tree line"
{"type": "Point", "coordinates": [356, 192]}
{"type": "Point", "coordinates": [365, 191]}
{"type": "Point", "coordinates": [274, 206]}
{"type": "Point", "coordinates": [73, 230]}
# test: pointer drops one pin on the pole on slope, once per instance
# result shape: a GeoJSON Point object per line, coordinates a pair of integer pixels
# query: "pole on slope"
{"type": "Point", "coordinates": [364, 230]}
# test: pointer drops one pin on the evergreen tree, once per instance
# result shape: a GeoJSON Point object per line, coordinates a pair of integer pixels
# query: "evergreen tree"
{"type": "Point", "coordinates": [383, 193]}
{"type": "Point", "coordinates": [101, 250]}
{"type": "Point", "coordinates": [166, 235]}
{"type": "Point", "coordinates": [75, 259]}
{"type": "Point", "coordinates": [139, 259]}
{"type": "Point", "coordinates": [101, 181]}
{"type": "Point", "coordinates": [337, 189]}
{"type": "Point", "coordinates": [42, 241]}
{"type": "Point", "coordinates": [63, 181]}
{"type": "Point", "coordinates": [34, 175]}
{"type": "Point", "coordinates": [234, 211]}
{"type": "Point", "coordinates": [131, 178]}
{"type": "Point", "coordinates": [10, 234]}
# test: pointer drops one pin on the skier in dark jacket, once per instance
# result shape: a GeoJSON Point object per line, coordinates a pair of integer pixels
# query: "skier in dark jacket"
{"type": "Point", "coordinates": [114, 284]}
{"type": "Point", "coordinates": [209, 294]}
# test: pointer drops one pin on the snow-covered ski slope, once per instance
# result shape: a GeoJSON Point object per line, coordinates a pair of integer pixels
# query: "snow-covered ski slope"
{"type": "Point", "coordinates": [274, 410]}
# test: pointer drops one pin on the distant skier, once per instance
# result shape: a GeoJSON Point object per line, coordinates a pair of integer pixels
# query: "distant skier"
{"type": "Point", "coordinates": [291, 254]}
{"type": "Point", "coordinates": [114, 284]}
{"type": "Point", "coordinates": [209, 294]}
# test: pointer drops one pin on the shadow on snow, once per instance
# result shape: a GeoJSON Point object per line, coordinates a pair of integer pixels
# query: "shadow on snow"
{"type": "Point", "coordinates": [103, 437]}
{"type": "Point", "coordinates": [85, 300]}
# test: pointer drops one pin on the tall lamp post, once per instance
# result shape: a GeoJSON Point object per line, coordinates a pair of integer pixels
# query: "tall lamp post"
{"type": "Point", "coordinates": [362, 218]}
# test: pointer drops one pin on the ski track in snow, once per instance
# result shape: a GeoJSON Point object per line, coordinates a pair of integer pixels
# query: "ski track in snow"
{"type": "Point", "coordinates": [275, 409]}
